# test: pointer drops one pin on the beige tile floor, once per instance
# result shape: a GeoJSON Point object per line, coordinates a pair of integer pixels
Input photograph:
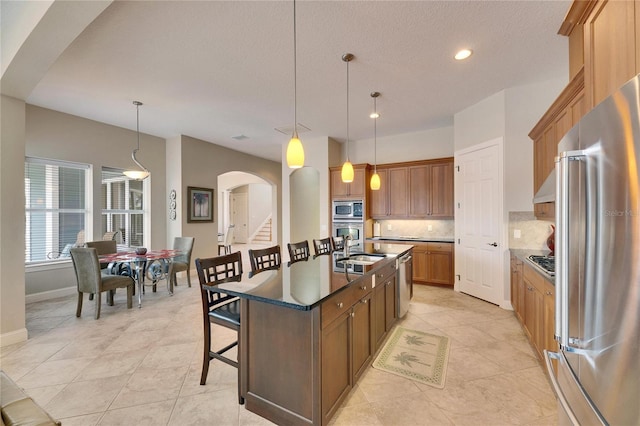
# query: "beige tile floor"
{"type": "Point", "coordinates": [142, 367]}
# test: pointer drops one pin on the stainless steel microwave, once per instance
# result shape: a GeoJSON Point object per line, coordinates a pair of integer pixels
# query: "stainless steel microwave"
{"type": "Point", "coordinates": [351, 210]}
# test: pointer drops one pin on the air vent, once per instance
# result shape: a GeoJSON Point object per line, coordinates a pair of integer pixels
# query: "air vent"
{"type": "Point", "coordinates": [240, 137]}
{"type": "Point", "coordinates": [288, 130]}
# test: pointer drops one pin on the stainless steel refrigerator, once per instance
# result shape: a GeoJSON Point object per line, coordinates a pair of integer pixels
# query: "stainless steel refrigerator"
{"type": "Point", "coordinates": [598, 265]}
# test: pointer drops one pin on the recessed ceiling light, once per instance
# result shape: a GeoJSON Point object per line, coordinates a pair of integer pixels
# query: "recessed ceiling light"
{"type": "Point", "coordinates": [463, 54]}
{"type": "Point", "coordinates": [374, 115]}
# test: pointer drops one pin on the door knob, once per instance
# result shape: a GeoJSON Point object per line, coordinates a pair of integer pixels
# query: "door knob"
{"type": "Point", "coordinates": [494, 244]}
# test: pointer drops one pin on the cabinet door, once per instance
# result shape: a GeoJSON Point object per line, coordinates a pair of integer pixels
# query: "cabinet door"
{"type": "Point", "coordinates": [514, 283]}
{"type": "Point", "coordinates": [391, 313]}
{"type": "Point", "coordinates": [419, 191]}
{"type": "Point", "coordinates": [336, 364]}
{"type": "Point", "coordinates": [379, 200]}
{"type": "Point", "coordinates": [610, 50]}
{"type": "Point", "coordinates": [398, 203]}
{"type": "Point", "coordinates": [361, 320]}
{"type": "Point", "coordinates": [379, 315]}
{"type": "Point", "coordinates": [441, 190]}
{"type": "Point", "coordinates": [339, 189]}
{"type": "Point", "coordinates": [420, 263]}
{"type": "Point", "coordinates": [439, 267]}
{"type": "Point", "coordinates": [358, 188]}
{"type": "Point", "coordinates": [529, 309]}
{"type": "Point", "coordinates": [549, 317]}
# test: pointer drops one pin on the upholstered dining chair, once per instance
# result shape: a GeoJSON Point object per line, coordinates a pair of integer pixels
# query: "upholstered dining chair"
{"type": "Point", "coordinates": [91, 280]}
{"type": "Point", "coordinates": [228, 239]}
{"type": "Point", "coordinates": [264, 259]}
{"type": "Point", "coordinates": [219, 308]}
{"type": "Point", "coordinates": [182, 262]}
{"type": "Point", "coordinates": [322, 246]}
{"type": "Point", "coordinates": [298, 252]}
{"type": "Point", "coordinates": [103, 247]}
{"type": "Point", "coordinates": [338, 243]}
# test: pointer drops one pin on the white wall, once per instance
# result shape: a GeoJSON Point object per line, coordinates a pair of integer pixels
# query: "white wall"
{"type": "Point", "coordinates": [524, 106]}
{"type": "Point", "coordinates": [433, 143]}
{"type": "Point", "coordinates": [173, 163]}
{"type": "Point", "coordinates": [202, 163]}
{"type": "Point", "coordinates": [259, 205]}
{"type": "Point", "coordinates": [12, 273]}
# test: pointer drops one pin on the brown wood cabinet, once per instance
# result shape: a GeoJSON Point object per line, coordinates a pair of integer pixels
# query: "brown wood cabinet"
{"type": "Point", "coordinates": [433, 263]}
{"type": "Point", "coordinates": [421, 189]}
{"type": "Point", "coordinates": [533, 301]}
{"type": "Point", "coordinates": [565, 112]}
{"type": "Point", "coordinates": [431, 190]}
{"type": "Point", "coordinates": [354, 190]}
{"type": "Point", "coordinates": [517, 287]}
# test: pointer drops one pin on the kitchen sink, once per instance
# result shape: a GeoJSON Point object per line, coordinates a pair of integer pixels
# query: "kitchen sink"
{"type": "Point", "coordinates": [363, 259]}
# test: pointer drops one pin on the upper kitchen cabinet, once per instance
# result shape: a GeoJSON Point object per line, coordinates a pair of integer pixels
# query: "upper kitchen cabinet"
{"type": "Point", "coordinates": [610, 48]}
{"type": "Point", "coordinates": [415, 190]}
{"type": "Point", "coordinates": [354, 190]}
{"type": "Point", "coordinates": [431, 190]}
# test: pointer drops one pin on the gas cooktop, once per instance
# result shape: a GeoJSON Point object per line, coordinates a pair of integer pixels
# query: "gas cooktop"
{"type": "Point", "coordinates": [546, 263]}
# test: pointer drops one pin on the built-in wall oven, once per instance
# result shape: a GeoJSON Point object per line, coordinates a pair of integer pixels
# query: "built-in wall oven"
{"type": "Point", "coordinates": [348, 210]}
{"type": "Point", "coordinates": [356, 244]}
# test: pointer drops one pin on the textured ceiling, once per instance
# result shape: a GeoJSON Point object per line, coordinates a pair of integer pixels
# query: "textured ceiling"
{"type": "Point", "coordinates": [218, 69]}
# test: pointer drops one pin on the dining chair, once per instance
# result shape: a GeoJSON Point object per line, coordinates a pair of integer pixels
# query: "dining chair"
{"type": "Point", "coordinates": [182, 262]}
{"type": "Point", "coordinates": [228, 239]}
{"type": "Point", "coordinates": [105, 247]}
{"type": "Point", "coordinates": [338, 243]}
{"type": "Point", "coordinates": [298, 252]}
{"type": "Point", "coordinates": [322, 246]}
{"type": "Point", "coordinates": [264, 259]}
{"type": "Point", "coordinates": [91, 280]}
{"type": "Point", "coordinates": [219, 308]}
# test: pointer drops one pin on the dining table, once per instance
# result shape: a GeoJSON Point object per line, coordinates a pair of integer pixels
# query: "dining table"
{"type": "Point", "coordinates": [155, 264]}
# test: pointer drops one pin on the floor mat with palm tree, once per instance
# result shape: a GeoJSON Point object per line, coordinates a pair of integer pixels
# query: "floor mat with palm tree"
{"type": "Point", "coordinates": [415, 355]}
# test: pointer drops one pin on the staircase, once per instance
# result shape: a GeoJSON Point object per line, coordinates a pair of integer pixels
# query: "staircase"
{"type": "Point", "coordinates": [263, 236]}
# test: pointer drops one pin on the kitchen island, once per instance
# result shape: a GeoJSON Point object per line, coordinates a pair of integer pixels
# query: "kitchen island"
{"type": "Point", "coordinates": [303, 345]}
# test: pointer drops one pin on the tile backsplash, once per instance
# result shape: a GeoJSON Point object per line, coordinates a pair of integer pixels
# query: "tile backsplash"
{"type": "Point", "coordinates": [533, 232]}
{"type": "Point", "coordinates": [417, 228]}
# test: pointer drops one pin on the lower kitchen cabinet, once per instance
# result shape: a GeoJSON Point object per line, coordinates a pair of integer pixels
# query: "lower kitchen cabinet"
{"type": "Point", "coordinates": [433, 263]}
{"type": "Point", "coordinates": [517, 287]}
{"type": "Point", "coordinates": [385, 301]}
{"type": "Point", "coordinates": [533, 300]}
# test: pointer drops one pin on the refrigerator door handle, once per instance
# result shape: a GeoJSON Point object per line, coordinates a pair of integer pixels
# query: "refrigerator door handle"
{"type": "Point", "coordinates": [563, 162]}
{"type": "Point", "coordinates": [556, 386]}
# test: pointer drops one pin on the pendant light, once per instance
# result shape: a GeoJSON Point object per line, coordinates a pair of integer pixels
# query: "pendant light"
{"type": "Point", "coordinates": [347, 167]}
{"type": "Point", "coordinates": [137, 174]}
{"type": "Point", "coordinates": [295, 151]}
{"type": "Point", "coordinates": [375, 178]}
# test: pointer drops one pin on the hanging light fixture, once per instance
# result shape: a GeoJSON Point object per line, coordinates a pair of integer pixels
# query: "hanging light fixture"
{"type": "Point", "coordinates": [295, 151]}
{"type": "Point", "coordinates": [375, 178]}
{"type": "Point", "coordinates": [137, 174]}
{"type": "Point", "coordinates": [347, 167]}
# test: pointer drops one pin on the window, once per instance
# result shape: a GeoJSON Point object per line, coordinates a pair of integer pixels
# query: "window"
{"type": "Point", "coordinates": [123, 208]}
{"type": "Point", "coordinates": [56, 208]}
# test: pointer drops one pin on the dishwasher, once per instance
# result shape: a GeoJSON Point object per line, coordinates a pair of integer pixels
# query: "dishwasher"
{"type": "Point", "coordinates": [405, 277]}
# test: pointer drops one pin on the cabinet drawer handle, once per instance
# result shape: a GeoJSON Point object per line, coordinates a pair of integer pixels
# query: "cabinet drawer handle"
{"type": "Point", "coordinates": [363, 287]}
{"type": "Point", "coordinates": [353, 314]}
{"type": "Point", "coordinates": [365, 301]}
{"type": "Point", "coordinates": [340, 305]}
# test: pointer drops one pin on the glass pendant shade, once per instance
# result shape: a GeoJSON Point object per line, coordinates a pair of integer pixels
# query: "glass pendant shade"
{"type": "Point", "coordinates": [143, 172]}
{"type": "Point", "coordinates": [375, 181]}
{"type": "Point", "coordinates": [295, 153]}
{"type": "Point", "coordinates": [347, 172]}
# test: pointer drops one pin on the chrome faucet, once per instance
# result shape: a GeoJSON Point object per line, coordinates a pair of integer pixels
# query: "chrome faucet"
{"type": "Point", "coordinates": [345, 253]}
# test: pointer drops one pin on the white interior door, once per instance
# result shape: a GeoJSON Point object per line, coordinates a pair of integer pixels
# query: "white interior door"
{"type": "Point", "coordinates": [478, 221]}
{"type": "Point", "coordinates": [240, 217]}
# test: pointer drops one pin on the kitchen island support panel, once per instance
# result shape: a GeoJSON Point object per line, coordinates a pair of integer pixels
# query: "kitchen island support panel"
{"type": "Point", "coordinates": [280, 368]}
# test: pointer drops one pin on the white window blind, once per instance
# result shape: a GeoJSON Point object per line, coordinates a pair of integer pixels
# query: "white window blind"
{"type": "Point", "coordinates": [123, 209]}
{"type": "Point", "coordinates": [55, 208]}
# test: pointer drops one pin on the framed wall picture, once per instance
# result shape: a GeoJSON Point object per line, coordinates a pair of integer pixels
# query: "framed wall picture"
{"type": "Point", "coordinates": [200, 204]}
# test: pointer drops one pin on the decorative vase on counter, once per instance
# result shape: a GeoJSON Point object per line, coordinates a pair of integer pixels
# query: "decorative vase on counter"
{"type": "Point", "coordinates": [551, 240]}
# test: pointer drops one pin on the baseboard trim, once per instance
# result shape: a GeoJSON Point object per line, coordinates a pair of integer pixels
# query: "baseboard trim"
{"type": "Point", "coordinates": [51, 294]}
{"type": "Point", "coordinates": [13, 337]}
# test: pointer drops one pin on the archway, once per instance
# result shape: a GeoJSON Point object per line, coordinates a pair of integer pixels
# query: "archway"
{"type": "Point", "coordinates": [256, 208]}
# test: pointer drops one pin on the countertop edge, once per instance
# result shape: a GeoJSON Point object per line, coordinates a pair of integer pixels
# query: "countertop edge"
{"type": "Point", "coordinates": [383, 240]}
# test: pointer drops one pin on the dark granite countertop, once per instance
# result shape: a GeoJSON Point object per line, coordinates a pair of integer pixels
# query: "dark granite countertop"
{"type": "Point", "coordinates": [413, 239]}
{"type": "Point", "coordinates": [523, 254]}
{"type": "Point", "coordinates": [304, 285]}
